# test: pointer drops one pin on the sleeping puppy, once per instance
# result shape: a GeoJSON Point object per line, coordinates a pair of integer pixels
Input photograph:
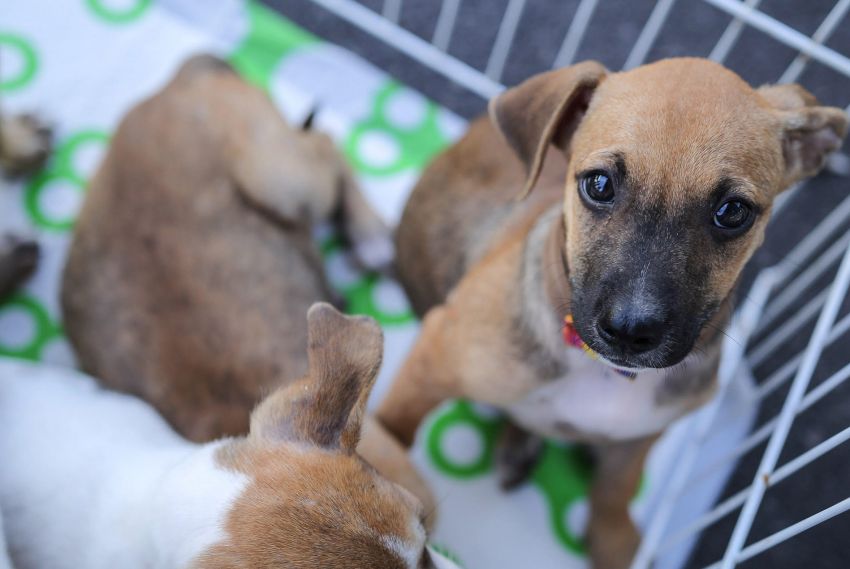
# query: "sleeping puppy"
{"type": "Point", "coordinates": [592, 311]}
{"type": "Point", "coordinates": [93, 479]}
{"type": "Point", "coordinates": [192, 263]}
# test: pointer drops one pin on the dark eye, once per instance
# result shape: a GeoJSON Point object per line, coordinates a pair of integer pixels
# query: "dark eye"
{"type": "Point", "coordinates": [732, 215]}
{"type": "Point", "coordinates": [597, 187]}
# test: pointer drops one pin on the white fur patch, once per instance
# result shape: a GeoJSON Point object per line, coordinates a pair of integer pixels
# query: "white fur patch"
{"type": "Point", "coordinates": [595, 399]}
{"type": "Point", "coordinates": [94, 479]}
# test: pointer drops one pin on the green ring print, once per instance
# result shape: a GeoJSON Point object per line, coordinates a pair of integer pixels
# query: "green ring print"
{"type": "Point", "coordinates": [118, 15]}
{"type": "Point", "coordinates": [462, 415]}
{"type": "Point", "coordinates": [380, 146]}
{"type": "Point", "coordinates": [363, 292]}
{"type": "Point", "coordinates": [28, 61]}
{"type": "Point", "coordinates": [44, 330]}
{"type": "Point", "coordinates": [63, 177]}
{"type": "Point", "coordinates": [269, 40]}
{"type": "Point", "coordinates": [563, 476]}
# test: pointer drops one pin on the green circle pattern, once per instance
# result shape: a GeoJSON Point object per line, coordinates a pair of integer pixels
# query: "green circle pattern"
{"type": "Point", "coordinates": [46, 330]}
{"type": "Point", "coordinates": [418, 145]}
{"type": "Point", "coordinates": [563, 475]}
{"type": "Point", "coordinates": [360, 295]}
{"type": "Point", "coordinates": [30, 58]}
{"type": "Point", "coordinates": [113, 16]}
{"type": "Point", "coordinates": [60, 169]}
{"type": "Point", "coordinates": [462, 413]}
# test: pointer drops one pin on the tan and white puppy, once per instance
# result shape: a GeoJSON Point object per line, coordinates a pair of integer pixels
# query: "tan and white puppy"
{"type": "Point", "coordinates": [96, 479]}
{"type": "Point", "coordinates": [652, 189]}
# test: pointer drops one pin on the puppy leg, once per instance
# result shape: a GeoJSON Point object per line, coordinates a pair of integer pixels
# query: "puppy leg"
{"type": "Point", "coordinates": [381, 450]}
{"type": "Point", "coordinates": [516, 455]}
{"type": "Point", "coordinates": [24, 145]}
{"type": "Point", "coordinates": [18, 259]}
{"type": "Point", "coordinates": [611, 533]}
{"type": "Point", "coordinates": [425, 381]}
{"type": "Point", "coordinates": [367, 232]}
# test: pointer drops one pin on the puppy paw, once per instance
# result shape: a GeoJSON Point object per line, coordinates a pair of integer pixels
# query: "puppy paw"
{"type": "Point", "coordinates": [517, 454]}
{"type": "Point", "coordinates": [375, 253]}
{"type": "Point", "coordinates": [25, 144]}
{"type": "Point", "coordinates": [18, 260]}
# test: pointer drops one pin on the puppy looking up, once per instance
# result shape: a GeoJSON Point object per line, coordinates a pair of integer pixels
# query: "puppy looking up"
{"type": "Point", "coordinates": [592, 310]}
{"type": "Point", "coordinates": [95, 479]}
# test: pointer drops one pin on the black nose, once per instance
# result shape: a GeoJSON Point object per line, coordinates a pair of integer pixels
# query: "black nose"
{"type": "Point", "coordinates": [630, 331]}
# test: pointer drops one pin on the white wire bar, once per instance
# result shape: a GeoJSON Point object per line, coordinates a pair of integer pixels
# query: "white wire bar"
{"type": "Point", "coordinates": [413, 46]}
{"type": "Point", "coordinates": [730, 35]}
{"type": "Point", "coordinates": [804, 280]}
{"type": "Point", "coordinates": [445, 24]}
{"type": "Point", "coordinates": [814, 240]}
{"type": "Point", "coordinates": [392, 10]}
{"type": "Point", "coordinates": [785, 34]}
{"type": "Point", "coordinates": [820, 36]}
{"type": "Point", "coordinates": [789, 532]}
{"type": "Point", "coordinates": [567, 54]}
{"type": "Point", "coordinates": [699, 425]}
{"type": "Point", "coordinates": [784, 373]}
{"type": "Point", "coordinates": [837, 293]}
{"type": "Point", "coordinates": [735, 501]}
{"type": "Point", "coordinates": [649, 33]}
{"type": "Point", "coordinates": [786, 330]}
{"type": "Point", "coordinates": [759, 436]}
{"type": "Point", "coordinates": [504, 39]}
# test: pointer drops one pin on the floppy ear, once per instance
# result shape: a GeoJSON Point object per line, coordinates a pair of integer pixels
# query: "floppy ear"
{"type": "Point", "coordinates": [809, 132]}
{"type": "Point", "coordinates": [326, 408]}
{"type": "Point", "coordinates": [546, 108]}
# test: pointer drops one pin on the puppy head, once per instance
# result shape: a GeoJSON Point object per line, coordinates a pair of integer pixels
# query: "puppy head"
{"type": "Point", "coordinates": [673, 168]}
{"type": "Point", "coordinates": [311, 500]}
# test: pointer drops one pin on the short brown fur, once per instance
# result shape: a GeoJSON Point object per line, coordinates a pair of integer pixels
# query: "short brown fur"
{"type": "Point", "coordinates": [495, 291]}
{"type": "Point", "coordinates": [193, 264]}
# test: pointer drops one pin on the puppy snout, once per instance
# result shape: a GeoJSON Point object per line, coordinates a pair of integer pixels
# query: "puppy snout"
{"type": "Point", "coordinates": [631, 331]}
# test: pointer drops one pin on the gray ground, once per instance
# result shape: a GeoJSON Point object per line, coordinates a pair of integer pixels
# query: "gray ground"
{"type": "Point", "coordinates": [692, 29]}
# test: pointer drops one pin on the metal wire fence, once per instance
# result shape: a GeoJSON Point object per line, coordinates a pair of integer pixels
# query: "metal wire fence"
{"type": "Point", "coordinates": [806, 294]}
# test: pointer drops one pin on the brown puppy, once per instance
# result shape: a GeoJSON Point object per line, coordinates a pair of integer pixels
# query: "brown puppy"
{"type": "Point", "coordinates": [192, 264]}
{"type": "Point", "coordinates": [656, 188]}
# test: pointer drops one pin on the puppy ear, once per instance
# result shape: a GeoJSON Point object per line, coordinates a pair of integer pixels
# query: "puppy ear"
{"type": "Point", "coordinates": [546, 108]}
{"type": "Point", "coordinates": [809, 132]}
{"type": "Point", "coordinates": [327, 407]}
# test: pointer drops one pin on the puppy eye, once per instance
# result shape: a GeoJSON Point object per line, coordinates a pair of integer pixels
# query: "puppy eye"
{"type": "Point", "coordinates": [732, 214]}
{"type": "Point", "coordinates": [597, 187]}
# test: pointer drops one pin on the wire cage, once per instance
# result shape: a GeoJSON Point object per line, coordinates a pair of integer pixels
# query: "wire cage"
{"type": "Point", "coordinates": [791, 328]}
